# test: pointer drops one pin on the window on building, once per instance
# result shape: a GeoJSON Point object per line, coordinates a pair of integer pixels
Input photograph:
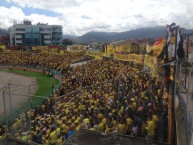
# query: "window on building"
{"type": "Point", "coordinates": [20, 29]}
{"type": "Point", "coordinates": [36, 36]}
{"type": "Point", "coordinates": [45, 29]}
{"type": "Point", "coordinates": [18, 38]}
{"type": "Point", "coordinates": [28, 35]}
{"type": "Point", "coordinates": [28, 29]}
{"type": "Point", "coordinates": [36, 29]}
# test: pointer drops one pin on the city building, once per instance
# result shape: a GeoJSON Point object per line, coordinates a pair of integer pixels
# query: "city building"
{"type": "Point", "coordinates": [40, 34]}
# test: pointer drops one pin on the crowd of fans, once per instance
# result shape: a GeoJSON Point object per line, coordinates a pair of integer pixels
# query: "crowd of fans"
{"type": "Point", "coordinates": [109, 96]}
{"type": "Point", "coordinates": [57, 61]}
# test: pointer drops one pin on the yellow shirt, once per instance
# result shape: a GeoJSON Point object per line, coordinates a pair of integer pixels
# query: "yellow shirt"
{"type": "Point", "coordinates": [58, 131]}
{"type": "Point", "coordinates": [121, 128]}
{"type": "Point", "coordinates": [46, 142]}
{"type": "Point", "coordinates": [101, 126]}
{"type": "Point", "coordinates": [77, 128]}
{"type": "Point", "coordinates": [150, 128]}
{"type": "Point", "coordinates": [53, 137]}
{"type": "Point", "coordinates": [48, 131]}
{"type": "Point", "coordinates": [128, 123]}
{"type": "Point", "coordinates": [59, 141]}
{"type": "Point", "coordinates": [64, 128]}
{"type": "Point", "coordinates": [155, 120]}
{"type": "Point", "coordinates": [104, 120]}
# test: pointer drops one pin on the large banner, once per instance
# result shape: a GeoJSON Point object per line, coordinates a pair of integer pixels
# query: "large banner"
{"type": "Point", "coordinates": [96, 55]}
{"type": "Point", "coordinates": [109, 49]}
{"type": "Point", "coordinates": [76, 52]}
{"type": "Point", "coordinates": [77, 47]}
{"type": "Point", "coordinates": [150, 61]}
{"type": "Point", "coordinates": [129, 57]}
{"type": "Point", "coordinates": [43, 49]}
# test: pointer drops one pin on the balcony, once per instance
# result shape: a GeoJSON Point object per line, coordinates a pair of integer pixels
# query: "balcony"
{"type": "Point", "coordinates": [18, 36]}
{"type": "Point", "coordinates": [18, 41]}
{"type": "Point", "coordinates": [20, 32]}
{"type": "Point", "coordinates": [47, 41]}
{"type": "Point", "coordinates": [45, 32]}
{"type": "Point", "coordinates": [47, 36]}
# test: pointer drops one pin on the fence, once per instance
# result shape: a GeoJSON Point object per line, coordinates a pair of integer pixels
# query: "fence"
{"type": "Point", "coordinates": [88, 137]}
{"type": "Point", "coordinates": [36, 68]}
{"type": "Point", "coordinates": [13, 141]}
{"type": "Point", "coordinates": [185, 96]}
{"type": "Point", "coordinates": [18, 99]}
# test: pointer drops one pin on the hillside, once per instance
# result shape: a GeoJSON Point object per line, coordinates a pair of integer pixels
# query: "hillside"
{"type": "Point", "coordinates": [132, 34]}
{"type": "Point", "coordinates": [3, 31]}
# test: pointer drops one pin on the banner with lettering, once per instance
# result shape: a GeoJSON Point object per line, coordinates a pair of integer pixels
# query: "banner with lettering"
{"type": "Point", "coordinates": [43, 49]}
{"type": "Point", "coordinates": [94, 53]}
{"type": "Point", "coordinates": [129, 57]}
{"type": "Point", "coordinates": [110, 49]}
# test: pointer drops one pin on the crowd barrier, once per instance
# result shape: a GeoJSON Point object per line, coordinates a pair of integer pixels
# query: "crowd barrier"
{"type": "Point", "coordinates": [13, 141]}
{"type": "Point", "coordinates": [88, 137]}
{"type": "Point", "coordinates": [185, 95]}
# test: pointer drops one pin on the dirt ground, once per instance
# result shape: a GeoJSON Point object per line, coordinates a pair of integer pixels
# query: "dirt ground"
{"type": "Point", "coordinates": [19, 88]}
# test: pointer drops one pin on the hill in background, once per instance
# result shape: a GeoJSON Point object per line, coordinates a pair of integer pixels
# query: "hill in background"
{"type": "Point", "coordinates": [115, 36]}
{"type": "Point", "coordinates": [132, 34]}
{"type": "Point", "coordinates": [3, 31]}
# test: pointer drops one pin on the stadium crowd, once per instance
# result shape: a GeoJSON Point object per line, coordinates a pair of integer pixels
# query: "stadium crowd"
{"type": "Point", "coordinates": [103, 95]}
{"type": "Point", "coordinates": [56, 61]}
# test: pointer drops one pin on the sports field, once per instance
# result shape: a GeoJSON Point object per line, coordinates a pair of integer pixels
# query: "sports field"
{"type": "Point", "coordinates": [40, 87]}
{"type": "Point", "coordinates": [44, 83]}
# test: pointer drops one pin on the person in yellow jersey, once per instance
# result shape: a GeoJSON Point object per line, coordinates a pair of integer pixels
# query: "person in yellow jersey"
{"type": "Point", "coordinates": [150, 128]}
{"type": "Point", "coordinates": [101, 126]}
{"type": "Point", "coordinates": [121, 128]}
{"type": "Point", "coordinates": [53, 136]}
{"type": "Point", "coordinates": [64, 129]}
{"type": "Point", "coordinates": [58, 130]}
{"type": "Point", "coordinates": [155, 122]}
{"type": "Point", "coordinates": [59, 140]}
{"type": "Point", "coordinates": [155, 119]}
{"type": "Point", "coordinates": [46, 142]}
{"type": "Point", "coordinates": [47, 130]}
{"type": "Point", "coordinates": [129, 122]}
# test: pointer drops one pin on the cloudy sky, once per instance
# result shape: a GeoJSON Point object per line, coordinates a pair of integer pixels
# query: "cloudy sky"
{"type": "Point", "coordinates": [80, 16]}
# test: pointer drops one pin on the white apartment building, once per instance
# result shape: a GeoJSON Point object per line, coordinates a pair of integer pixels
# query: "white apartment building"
{"type": "Point", "coordinates": [27, 34]}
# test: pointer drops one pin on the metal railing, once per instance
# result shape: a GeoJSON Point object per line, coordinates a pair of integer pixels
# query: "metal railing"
{"type": "Point", "coordinates": [12, 91]}
{"type": "Point", "coordinates": [86, 137]}
{"type": "Point", "coordinates": [185, 96]}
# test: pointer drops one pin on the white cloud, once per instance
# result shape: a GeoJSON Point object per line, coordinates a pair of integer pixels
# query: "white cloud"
{"type": "Point", "coordinates": [80, 16]}
{"type": "Point", "coordinates": [8, 16]}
